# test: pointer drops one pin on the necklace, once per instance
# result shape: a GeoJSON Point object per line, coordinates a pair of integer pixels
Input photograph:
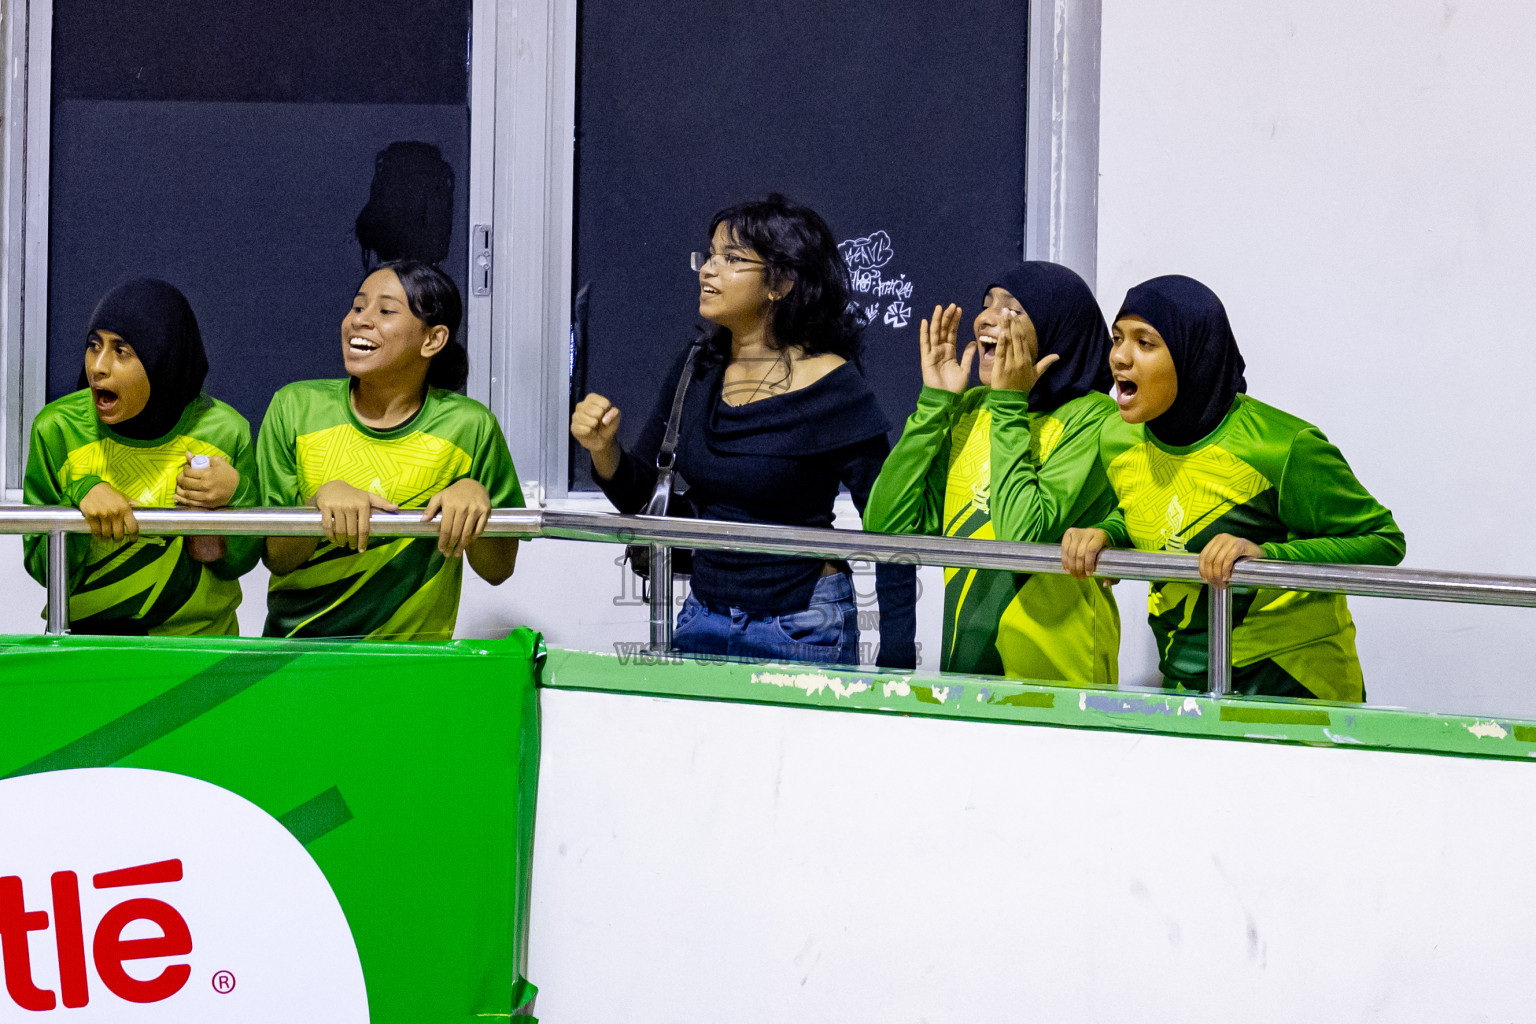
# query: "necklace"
{"type": "Point", "coordinates": [736, 393]}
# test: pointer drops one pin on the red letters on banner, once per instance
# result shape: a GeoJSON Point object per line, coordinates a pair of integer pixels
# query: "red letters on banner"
{"type": "Point", "coordinates": [109, 949]}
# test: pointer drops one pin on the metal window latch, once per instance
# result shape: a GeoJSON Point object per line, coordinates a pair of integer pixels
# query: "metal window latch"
{"type": "Point", "coordinates": [480, 261]}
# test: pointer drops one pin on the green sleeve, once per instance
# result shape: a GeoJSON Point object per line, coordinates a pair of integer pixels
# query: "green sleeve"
{"type": "Point", "coordinates": [491, 464]}
{"type": "Point", "coordinates": [908, 495]}
{"type": "Point", "coordinates": [1114, 526]}
{"type": "Point", "coordinates": [42, 485]}
{"type": "Point", "coordinates": [1328, 515]}
{"type": "Point", "coordinates": [277, 466]}
{"type": "Point", "coordinates": [1037, 504]}
{"type": "Point", "coordinates": [1116, 437]}
{"type": "Point", "coordinates": [241, 553]}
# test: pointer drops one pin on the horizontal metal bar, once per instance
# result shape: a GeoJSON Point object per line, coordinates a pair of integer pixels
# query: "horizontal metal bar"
{"type": "Point", "coordinates": [1365, 580]}
{"type": "Point", "coordinates": [267, 522]}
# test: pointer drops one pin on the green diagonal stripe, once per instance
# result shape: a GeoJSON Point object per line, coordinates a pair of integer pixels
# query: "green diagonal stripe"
{"type": "Point", "coordinates": [182, 703]}
{"type": "Point", "coordinates": [314, 818]}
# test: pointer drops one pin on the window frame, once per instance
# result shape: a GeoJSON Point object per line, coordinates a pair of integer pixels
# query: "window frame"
{"type": "Point", "coordinates": [532, 392]}
{"type": "Point", "coordinates": [24, 215]}
{"type": "Point", "coordinates": [522, 106]}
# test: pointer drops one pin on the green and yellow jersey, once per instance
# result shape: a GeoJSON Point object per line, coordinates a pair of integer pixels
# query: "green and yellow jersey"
{"type": "Point", "coordinates": [151, 586]}
{"type": "Point", "coordinates": [1271, 478]}
{"type": "Point", "coordinates": [981, 465]}
{"type": "Point", "coordinates": [401, 588]}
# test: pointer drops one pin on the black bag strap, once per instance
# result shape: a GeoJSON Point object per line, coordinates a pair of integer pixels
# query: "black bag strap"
{"type": "Point", "coordinates": [666, 456]}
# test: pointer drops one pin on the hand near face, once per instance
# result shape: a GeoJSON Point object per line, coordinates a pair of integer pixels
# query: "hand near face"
{"type": "Point", "coordinates": [109, 514]}
{"type": "Point", "coordinates": [1223, 552]}
{"type": "Point", "coordinates": [209, 487]}
{"type": "Point", "coordinates": [465, 506]}
{"type": "Point", "coordinates": [345, 512]}
{"type": "Point", "coordinates": [937, 348]}
{"type": "Point", "coordinates": [1015, 368]}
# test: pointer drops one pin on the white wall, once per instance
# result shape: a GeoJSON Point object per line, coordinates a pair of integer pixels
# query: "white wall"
{"type": "Point", "coordinates": [1354, 178]}
{"type": "Point", "coordinates": [723, 862]}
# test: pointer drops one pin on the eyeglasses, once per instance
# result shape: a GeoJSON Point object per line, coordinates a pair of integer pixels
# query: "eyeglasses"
{"type": "Point", "coordinates": [699, 260]}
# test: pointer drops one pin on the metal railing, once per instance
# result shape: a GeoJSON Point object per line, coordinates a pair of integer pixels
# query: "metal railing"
{"type": "Point", "coordinates": [663, 534]}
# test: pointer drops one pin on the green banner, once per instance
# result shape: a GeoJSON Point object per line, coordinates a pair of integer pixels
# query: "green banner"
{"type": "Point", "coordinates": [407, 771]}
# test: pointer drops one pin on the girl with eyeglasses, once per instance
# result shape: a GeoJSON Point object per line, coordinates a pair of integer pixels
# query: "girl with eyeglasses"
{"type": "Point", "coordinates": [777, 416]}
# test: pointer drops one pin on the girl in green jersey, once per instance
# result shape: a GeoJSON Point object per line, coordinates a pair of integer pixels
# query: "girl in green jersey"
{"type": "Point", "coordinates": [141, 433]}
{"type": "Point", "coordinates": [393, 435]}
{"type": "Point", "coordinates": [1014, 459]}
{"type": "Point", "coordinates": [1213, 472]}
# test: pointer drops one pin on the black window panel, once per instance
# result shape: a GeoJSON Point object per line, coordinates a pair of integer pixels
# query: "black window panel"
{"type": "Point", "coordinates": [248, 51]}
{"type": "Point", "coordinates": [906, 118]}
{"type": "Point", "coordinates": [229, 149]}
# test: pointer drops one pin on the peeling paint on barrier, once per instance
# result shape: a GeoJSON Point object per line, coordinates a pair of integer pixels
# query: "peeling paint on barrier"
{"type": "Point", "coordinates": [938, 694]}
{"type": "Point", "coordinates": [813, 684]}
{"type": "Point", "coordinates": [1116, 705]}
{"type": "Point", "coordinates": [1336, 738]}
{"type": "Point", "coordinates": [1023, 702]}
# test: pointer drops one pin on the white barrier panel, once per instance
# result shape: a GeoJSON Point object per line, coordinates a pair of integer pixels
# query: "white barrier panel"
{"type": "Point", "coordinates": [706, 861]}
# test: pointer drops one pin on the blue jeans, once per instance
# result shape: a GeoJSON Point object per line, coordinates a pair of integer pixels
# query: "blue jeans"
{"type": "Point", "coordinates": [826, 631]}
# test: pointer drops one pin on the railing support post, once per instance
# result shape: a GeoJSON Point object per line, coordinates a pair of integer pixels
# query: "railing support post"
{"type": "Point", "coordinates": [1219, 653]}
{"type": "Point", "coordinates": [58, 583]}
{"type": "Point", "coordinates": [661, 599]}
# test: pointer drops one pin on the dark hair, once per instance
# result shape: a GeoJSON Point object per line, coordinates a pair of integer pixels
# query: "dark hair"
{"type": "Point", "coordinates": [410, 206]}
{"type": "Point", "coordinates": [434, 300]}
{"type": "Point", "coordinates": [798, 248]}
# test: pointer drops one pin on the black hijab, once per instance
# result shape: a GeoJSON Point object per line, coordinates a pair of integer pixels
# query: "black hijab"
{"type": "Point", "coordinates": [1068, 323]}
{"type": "Point", "coordinates": [1193, 323]}
{"type": "Point", "coordinates": [156, 319]}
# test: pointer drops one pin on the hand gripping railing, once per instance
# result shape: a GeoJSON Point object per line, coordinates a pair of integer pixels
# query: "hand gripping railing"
{"type": "Point", "coordinates": [664, 533]}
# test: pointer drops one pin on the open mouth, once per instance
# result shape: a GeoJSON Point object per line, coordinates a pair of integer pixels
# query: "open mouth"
{"type": "Point", "coordinates": [1125, 390]}
{"type": "Point", "coordinates": [105, 400]}
{"type": "Point", "coordinates": [361, 346]}
{"type": "Point", "coordinates": [986, 347]}
{"type": "Point", "coordinates": [705, 289]}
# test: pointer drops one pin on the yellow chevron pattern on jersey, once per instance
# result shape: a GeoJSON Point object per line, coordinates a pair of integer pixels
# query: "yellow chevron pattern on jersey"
{"type": "Point", "coordinates": [1168, 498]}
{"type": "Point", "coordinates": [406, 470]}
{"type": "Point", "coordinates": [1050, 627]}
{"type": "Point", "coordinates": [969, 484]}
{"type": "Point", "coordinates": [143, 475]}
{"type": "Point", "coordinates": [149, 586]}
{"type": "Point", "coordinates": [970, 470]}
